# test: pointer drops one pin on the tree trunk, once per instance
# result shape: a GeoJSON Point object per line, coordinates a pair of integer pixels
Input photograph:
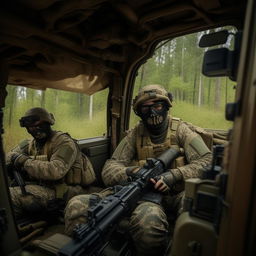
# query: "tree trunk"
{"type": "Point", "coordinates": [217, 100]}
{"type": "Point", "coordinates": [91, 107]}
{"type": "Point", "coordinates": [42, 102]}
{"type": "Point", "coordinates": [31, 96]}
{"type": "Point", "coordinates": [168, 64]}
{"type": "Point", "coordinates": [184, 95]}
{"type": "Point", "coordinates": [56, 97]}
{"type": "Point", "coordinates": [209, 92]}
{"type": "Point", "coordinates": [226, 92]}
{"type": "Point", "coordinates": [200, 91]}
{"type": "Point", "coordinates": [182, 60]}
{"type": "Point", "coordinates": [80, 101]}
{"type": "Point", "coordinates": [13, 94]}
{"type": "Point", "coordinates": [194, 89]}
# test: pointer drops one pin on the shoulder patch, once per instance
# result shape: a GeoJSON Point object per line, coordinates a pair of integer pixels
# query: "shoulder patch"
{"type": "Point", "coordinates": [199, 146]}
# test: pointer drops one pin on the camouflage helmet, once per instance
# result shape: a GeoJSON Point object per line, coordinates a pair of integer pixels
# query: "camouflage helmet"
{"type": "Point", "coordinates": [151, 92]}
{"type": "Point", "coordinates": [36, 114]}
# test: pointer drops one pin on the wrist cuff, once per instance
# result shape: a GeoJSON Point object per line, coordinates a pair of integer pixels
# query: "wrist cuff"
{"type": "Point", "coordinates": [177, 174]}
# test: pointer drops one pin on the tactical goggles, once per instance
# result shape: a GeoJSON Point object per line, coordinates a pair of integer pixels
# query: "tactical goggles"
{"type": "Point", "coordinates": [158, 106]}
{"type": "Point", "coordinates": [29, 120]}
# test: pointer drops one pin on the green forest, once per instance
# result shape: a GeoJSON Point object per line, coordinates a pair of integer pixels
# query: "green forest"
{"type": "Point", "coordinates": [176, 64]}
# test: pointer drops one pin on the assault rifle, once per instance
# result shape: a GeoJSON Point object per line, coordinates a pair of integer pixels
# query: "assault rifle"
{"type": "Point", "coordinates": [91, 238]}
{"type": "Point", "coordinates": [14, 173]}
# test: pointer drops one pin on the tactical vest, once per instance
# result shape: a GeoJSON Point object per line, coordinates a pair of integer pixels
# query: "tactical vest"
{"type": "Point", "coordinates": [80, 173]}
{"type": "Point", "coordinates": [147, 149]}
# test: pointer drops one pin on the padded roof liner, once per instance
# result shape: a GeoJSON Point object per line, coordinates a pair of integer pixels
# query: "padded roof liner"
{"type": "Point", "coordinates": [79, 45]}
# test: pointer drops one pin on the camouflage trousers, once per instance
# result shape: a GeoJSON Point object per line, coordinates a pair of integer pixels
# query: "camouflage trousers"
{"type": "Point", "coordinates": [36, 199]}
{"type": "Point", "coordinates": [39, 196]}
{"type": "Point", "coordinates": [148, 225]}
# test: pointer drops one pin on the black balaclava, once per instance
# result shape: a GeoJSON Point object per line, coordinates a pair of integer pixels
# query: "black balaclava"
{"type": "Point", "coordinates": [40, 132]}
{"type": "Point", "coordinates": [156, 121]}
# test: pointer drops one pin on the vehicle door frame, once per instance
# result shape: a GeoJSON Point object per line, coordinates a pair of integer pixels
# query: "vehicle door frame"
{"type": "Point", "coordinates": [238, 226]}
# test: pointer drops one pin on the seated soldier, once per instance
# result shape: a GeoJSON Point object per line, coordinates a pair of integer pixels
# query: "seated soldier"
{"type": "Point", "coordinates": [48, 163]}
{"type": "Point", "coordinates": [156, 132]}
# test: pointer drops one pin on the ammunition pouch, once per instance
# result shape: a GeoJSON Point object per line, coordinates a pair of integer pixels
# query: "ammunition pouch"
{"type": "Point", "coordinates": [147, 149]}
{"type": "Point", "coordinates": [210, 137]}
{"type": "Point", "coordinates": [60, 190]}
{"type": "Point", "coordinates": [81, 174]}
{"type": "Point", "coordinates": [52, 244]}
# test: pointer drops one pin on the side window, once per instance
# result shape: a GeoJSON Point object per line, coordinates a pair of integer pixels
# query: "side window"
{"type": "Point", "coordinates": [177, 66]}
{"type": "Point", "coordinates": [80, 115]}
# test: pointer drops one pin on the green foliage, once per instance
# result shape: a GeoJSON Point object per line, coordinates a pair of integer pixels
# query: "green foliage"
{"type": "Point", "coordinates": [177, 66]}
{"type": "Point", "coordinates": [71, 111]}
{"type": "Point", "coordinates": [200, 116]}
{"type": "Point", "coordinates": [180, 89]}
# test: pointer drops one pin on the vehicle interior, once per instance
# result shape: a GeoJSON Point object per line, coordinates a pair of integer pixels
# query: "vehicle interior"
{"type": "Point", "coordinates": [86, 46]}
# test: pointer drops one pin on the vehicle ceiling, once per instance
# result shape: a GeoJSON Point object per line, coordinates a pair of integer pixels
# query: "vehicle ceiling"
{"type": "Point", "coordinates": [79, 45]}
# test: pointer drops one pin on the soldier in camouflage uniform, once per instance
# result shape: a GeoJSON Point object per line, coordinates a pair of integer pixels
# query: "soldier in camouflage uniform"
{"type": "Point", "coordinates": [49, 163]}
{"type": "Point", "coordinates": [148, 224]}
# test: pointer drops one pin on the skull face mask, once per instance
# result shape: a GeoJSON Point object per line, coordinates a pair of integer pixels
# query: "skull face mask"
{"type": "Point", "coordinates": [154, 115]}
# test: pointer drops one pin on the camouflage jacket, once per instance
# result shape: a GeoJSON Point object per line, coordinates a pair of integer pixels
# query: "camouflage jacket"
{"type": "Point", "coordinates": [197, 155]}
{"type": "Point", "coordinates": [58, 159]}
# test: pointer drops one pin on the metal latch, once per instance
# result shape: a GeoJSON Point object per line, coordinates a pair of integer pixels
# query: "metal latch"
{"type": "Point", "coordinates": [195, 248]}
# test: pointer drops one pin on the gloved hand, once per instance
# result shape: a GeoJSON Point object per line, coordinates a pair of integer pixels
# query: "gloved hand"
{"type": "Point", "coordinates": [18, 159]}
{"type": "Point", "coordinates": [131, 171]}
{"type": "Point", "coordinates": [165, 181]}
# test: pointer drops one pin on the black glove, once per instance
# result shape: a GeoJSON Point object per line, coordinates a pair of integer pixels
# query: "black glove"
{"type": "Point", "coordinates": [165, 182]}
{"type": "Point", "coordinates": [18, 159]}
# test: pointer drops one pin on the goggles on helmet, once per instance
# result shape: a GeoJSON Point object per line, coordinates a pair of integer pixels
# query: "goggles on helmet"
{"type": "Point", "coordinates": [29, 120]}
{"type": "Point", "coordinates": [158, 106]}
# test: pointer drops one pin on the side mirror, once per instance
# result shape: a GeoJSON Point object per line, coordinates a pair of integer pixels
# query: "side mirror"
{"type": "Point", "coordinates": [213, 39]}
{"type": "Point", "coordinates": [220, 61]}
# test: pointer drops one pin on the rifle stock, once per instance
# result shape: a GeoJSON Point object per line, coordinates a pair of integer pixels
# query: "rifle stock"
{"type": "Point", "coordinates": [20, 181]}
{"type": "Point", "coordinates": [13, 173]}
{"type": "Point", "coordinates": [91, 238]}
